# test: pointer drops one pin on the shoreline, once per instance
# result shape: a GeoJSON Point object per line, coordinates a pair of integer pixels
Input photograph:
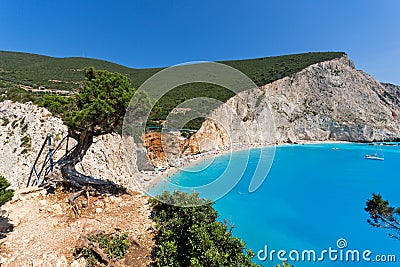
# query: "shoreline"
{"type": "Point", "coordinates": [149, 181]}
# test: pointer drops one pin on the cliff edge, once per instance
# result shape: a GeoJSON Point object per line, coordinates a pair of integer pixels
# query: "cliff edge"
{"type": "Point", "coordinates": [23, 131]}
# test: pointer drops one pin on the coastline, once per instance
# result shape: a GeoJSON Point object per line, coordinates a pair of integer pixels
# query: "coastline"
{"type": "Point", "coordinates": [150, 180]}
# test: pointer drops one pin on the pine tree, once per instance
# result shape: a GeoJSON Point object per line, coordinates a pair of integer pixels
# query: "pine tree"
{"type": "Point", "coordinates": [97, 109]}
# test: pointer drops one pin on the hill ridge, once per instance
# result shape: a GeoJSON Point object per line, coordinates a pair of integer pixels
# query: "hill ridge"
{"type": "Point", "coordinates": [20, 65]}
{"type": "Point", "coordinates": [21, 73]}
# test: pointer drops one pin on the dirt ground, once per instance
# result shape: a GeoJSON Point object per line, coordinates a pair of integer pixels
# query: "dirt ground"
{"type": "Point", "coordinates": [39, 229]}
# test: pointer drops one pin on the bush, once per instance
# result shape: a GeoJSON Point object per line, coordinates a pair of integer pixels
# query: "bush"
{"type": "Point", "coordinates": [113, 245]}
{"type": "Point", "coordinates": [192, 236]}
{"type": "Point", "coordinates": [5, 194]}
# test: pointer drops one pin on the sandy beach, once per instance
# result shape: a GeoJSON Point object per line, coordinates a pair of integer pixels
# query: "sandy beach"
{"type": "Point", "coordinates": [149, 179]}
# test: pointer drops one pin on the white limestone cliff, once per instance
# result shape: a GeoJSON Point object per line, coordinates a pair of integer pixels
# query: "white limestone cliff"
{"type": "Point", "coordinates": [23, 131]}
{"type": "Point", "coordinates": [330, 100]}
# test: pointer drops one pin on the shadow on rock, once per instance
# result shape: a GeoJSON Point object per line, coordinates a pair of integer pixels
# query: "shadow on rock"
{"type": "Point", "coordinates": [5, 225]}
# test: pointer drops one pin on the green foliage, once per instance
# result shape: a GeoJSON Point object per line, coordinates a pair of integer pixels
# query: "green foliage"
{"type": "Point", "coordinates": [57, 104]}
{"type": "Point", "coordinates": [24, 128]}
{"type": "Point", "coordinates": [102, 101]}
{"type": "Point", "coordinates": [5, 194]}
{"type": "Point", "coordinates": [35, 70]}
{"type": "Point", "coordinates": [20, 95]}
{"type": "Point", "coordinates": [382, 215]}
{"type": "Point", "coordinates": [268, 69]}
{"type": "Point", "coordinates": [114, 246]}
{"type": "Point", "coordinates": [92, 259]}
{"type": "Point", "coordinates": [6, 121]}
{"type": "Point", "coordinates": [58, 73]}
{"type": "Point", "coordinates": [26, 141]}
{"type": "Point", "coordinates": [99, 106]}
{"type": "Point", "coordinates": [192, 236]}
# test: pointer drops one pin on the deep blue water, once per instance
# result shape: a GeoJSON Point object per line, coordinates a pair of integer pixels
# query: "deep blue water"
{"type": "Point", "coordinates": [312, 196]}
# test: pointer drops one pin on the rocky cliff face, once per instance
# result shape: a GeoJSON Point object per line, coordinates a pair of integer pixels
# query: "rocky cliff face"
{"type": "Point", "coordinates": [391, 96]}
{"type": "Point", "coordinates": [326, 101]}
{"type": "Point", "coordinates": [23, 130]}
{"type": "Point", "coordinates": [105, 160]}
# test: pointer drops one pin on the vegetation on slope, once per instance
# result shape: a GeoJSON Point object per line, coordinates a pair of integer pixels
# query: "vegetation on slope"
{"type": "Point", "coordinates": [16, 94]}
{"type": "Point", "coordinates": [102, 249]}
{"type": "Point", "coordinates": [58, 73]}
{"type": "Point", "coordinates": [66, 74]}
{"type": "Point", "coordinates": [192, 236]}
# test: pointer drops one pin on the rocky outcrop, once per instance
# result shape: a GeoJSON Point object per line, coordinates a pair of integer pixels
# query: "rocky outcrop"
{"type": "Point", "coordinates": [164, 149]}
{"type": "Point", "coordinates": [105, 160]}
{"type": "Point", "coordinates": [23, 130]}
{"type": "Point", "coordinates": [391, 96]}
{"type": "Point", "coordinates": [326, 101]}
{"type": "Point", "coordinates": [155, 150]}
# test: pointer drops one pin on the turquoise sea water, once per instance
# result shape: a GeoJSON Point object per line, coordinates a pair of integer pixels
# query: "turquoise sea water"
{"type": "Point", "coordinates": [312, 197]}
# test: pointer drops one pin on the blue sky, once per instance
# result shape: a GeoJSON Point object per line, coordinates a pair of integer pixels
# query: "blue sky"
{"type": "Point", "coordinates": [167, 32]}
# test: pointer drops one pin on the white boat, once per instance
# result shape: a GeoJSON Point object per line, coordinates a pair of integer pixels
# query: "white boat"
{"type": "Point", "coordinates": [374, 157]}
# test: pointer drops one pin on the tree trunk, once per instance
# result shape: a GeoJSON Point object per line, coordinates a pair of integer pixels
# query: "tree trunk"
{"type": "Point", "coordinates": [84, 141]}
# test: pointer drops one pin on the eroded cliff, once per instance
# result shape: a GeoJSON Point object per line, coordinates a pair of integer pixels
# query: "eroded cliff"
{"type": "Point", "coordinates": [326, 101]}
{"type": "Point", "coordinates": [23, 130]}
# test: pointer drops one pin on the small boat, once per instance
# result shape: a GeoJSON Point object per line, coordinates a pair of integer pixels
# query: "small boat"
{"type": "Point", "coordinates": [374, 157]}
{"type": "Point", "coordinates": [389, 144]}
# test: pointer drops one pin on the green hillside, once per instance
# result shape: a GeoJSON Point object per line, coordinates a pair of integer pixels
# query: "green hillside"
{"type": "Point", "coordinates": [34, 71]}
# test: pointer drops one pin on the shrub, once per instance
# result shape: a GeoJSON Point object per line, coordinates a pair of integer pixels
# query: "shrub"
{"type": "Point", "coordinates": [113, 245]}
{"type": "Point", "coordinates": [192, 236]}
